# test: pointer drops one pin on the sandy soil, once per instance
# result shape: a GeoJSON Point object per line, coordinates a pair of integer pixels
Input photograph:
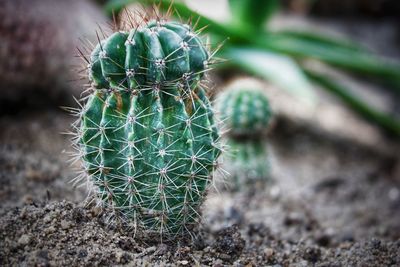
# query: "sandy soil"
{"type": "Point", "coordinates": [333, 203]}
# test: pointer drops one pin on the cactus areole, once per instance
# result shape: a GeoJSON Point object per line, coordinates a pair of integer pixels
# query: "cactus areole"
{"type": "Point", "coordinates": [147, 134]}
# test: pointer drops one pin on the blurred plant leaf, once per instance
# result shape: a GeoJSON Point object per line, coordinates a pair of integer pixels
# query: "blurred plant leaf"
{"type": "Point", "coordinates": [386, 121]}
{"type": "Point", "coordinates": [336, 53]}
{"type": "Point", "coordinates": [320, 38]}
{"type": "Point", "coordinates": [275, 68]}
{"type": "Point", "coordinates": [116, 6]}
{"type": "Point", "coordinates": [270, 54]}
{"type": "Point", "coordinates": [356, 61]}
{"type": "Point", "coordinates": [252, 13]}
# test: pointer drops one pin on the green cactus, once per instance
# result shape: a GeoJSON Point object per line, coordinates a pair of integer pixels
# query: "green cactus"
{"type": "Point", "coordinates": [249, 163]}
{"type": "Point", "coordinates": [148, 139]}
{"type": "Point", "coordinates": [246, 112]}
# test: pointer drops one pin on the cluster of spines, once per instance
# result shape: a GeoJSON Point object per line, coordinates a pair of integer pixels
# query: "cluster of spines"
{"type": "Point", "coordinates": [149, 175]}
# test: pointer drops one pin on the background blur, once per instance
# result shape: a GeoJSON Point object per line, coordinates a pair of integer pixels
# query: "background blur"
{"type": "Point", "coordinates": [331, 72]}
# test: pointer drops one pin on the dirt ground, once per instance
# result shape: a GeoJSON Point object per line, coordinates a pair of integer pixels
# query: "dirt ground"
{"type": "Point", "coordinates": [333, 203]}
{"type": "Point", "coordinates": [335, 200]}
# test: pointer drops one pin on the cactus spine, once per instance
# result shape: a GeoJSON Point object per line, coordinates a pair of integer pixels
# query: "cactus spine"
{"type": "Point", "coordinates": [147, 134]}
{"type": "Point", "coordinates": [246, 112]}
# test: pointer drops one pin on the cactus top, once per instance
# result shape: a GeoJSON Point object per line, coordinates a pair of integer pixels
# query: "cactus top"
{"type": "Point", "coordinates": [246, 111]}
{"type": "Point", "coordinates": [160, 52]}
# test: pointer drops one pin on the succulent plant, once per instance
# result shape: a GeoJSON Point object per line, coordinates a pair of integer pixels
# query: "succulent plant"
{"type": "Point", "coordinates": [147, 134]}
{"type": "Point", "coordinates": [249, 163]}
{"type": "Point", "coordinates": [246, 112]}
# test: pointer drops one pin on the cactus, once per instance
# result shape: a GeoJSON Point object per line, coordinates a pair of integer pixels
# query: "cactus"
{"type": "Point", "coordinates": [147, 134]}
{"type": "Point", "coordinates": [246, 112]}
{"type": "Point", "coordinates": [249, 163]}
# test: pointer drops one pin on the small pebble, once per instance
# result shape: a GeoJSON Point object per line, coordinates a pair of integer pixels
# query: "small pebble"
{"type": "Point", "coordinates": [275, 192]}
{"type": "Point", "coordinates": [95, 211]}
{"type": "Point", "coordinates": [118, 256]}
{"type": "Point", "coordinates": [394, 194]}
{"type": "Point", "coordinates": [50, 230]}
{"type": "Point", "coordinates": [65, 225]}
{"type": "Point", "coordinates": [47, 219]}
{"type": "Point", "coordinates": [23, 213]}
{"type": "Point", "coordinates": [183, 262]}
{"type": "Point", "coordinates": [269, 252]}
{"type": "Point", "coordinates": [24, 240]}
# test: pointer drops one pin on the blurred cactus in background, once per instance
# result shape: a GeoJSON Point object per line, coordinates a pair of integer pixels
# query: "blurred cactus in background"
{"type": "Point", "coordinates": [147, 134]}
{"type": "Point", "coordinates": [245, 110]}
{"type": "Point", "coordinates": [282, 56]}
{"type": "Point", "coordinates": [38, 49]}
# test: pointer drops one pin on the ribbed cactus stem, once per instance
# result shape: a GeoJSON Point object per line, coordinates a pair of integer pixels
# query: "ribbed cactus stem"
{"type": "Point", "coordinates": [148, 137]}
{"type": "Point", "coordinates": [246, 112]}
{"type": "Point", "coordinates": [249, 163]}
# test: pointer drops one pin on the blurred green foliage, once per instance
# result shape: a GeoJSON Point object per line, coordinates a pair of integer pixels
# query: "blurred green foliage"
{"type": "Point", "coordinates": [279, 56]}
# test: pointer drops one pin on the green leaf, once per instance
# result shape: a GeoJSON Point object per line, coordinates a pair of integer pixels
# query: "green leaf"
{"type": "Point", "coordinates": [116, 6]}
{"type": "Point", "coordinates": [320, 38]}
{"type": "Point", "coordinates": [359, 62]}
{"type": "Point", "coordinates": [277, 69]}
{"type": "Point", "coordinates": [252, 13]}
{"type": "Point", "coordinates": [386, 121]}
{"type": "Point", "coordinates": [298, 46]}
